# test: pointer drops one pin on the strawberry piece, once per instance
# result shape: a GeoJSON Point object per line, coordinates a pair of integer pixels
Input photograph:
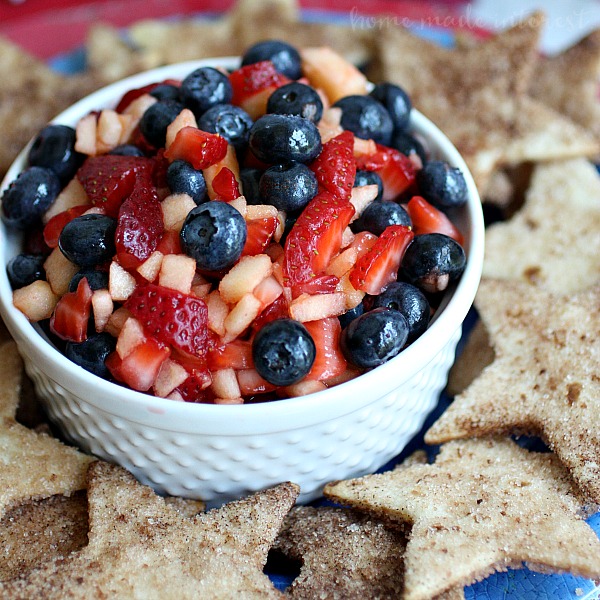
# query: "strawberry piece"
{"type": "Point", "coordinates": [70, 318]}
{"type": "Point", "coordinates": [315, 237]}
{"type": "Point", "coordinates": [379, 266]}
{"type": "Point", "coordinates": [171, 317]}
{"type": "Point", "coordinates": [335, 167]}
{"type": "Point", "coordinates": [199, 148]}
{"type": "Point", "coordinates": [252, 79]}
{"type": "Point", "coordinates": [260, 233]}
{"type": "Point", "coordinates": [278, 309]}
{"type": "Point", "coordinates": [134, 94]}
{"type": "Point", "coordinates": [428, 219]}
{"type": "Point", "coordinates": [196, 387]}
{"type": "Point", "coordinates": [139, 226]}
{"type": "Point", "coordinates": [321, 284]}
{"type": "Point", "coordinates": [170, 243]}
{"type": "Point", "coordinates": [234, 355]}
{"type": "Point", "coordinates": [225, 185]}
{"type": "Point", "coordinates": [108, 179]}
{"type": "Point", "coordinates": [55, 225]}
{"type": "Point", "coordinates": [329, 360]}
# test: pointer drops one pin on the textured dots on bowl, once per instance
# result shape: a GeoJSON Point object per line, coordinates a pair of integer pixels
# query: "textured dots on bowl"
{"type": "Point", "coordinates": [326, 452]}
{"type": "Point", "coordinates": [184, 461]}
{"type": "Point", "coordinates": [257, 443]}
{"type": "Point", "coordinates": [218, 445]}
{"type": "Point", "coordinates": [294, 439]}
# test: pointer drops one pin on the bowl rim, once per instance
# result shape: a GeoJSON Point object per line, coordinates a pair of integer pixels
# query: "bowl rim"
{"type": "Point", "coordinates": [276, 415]}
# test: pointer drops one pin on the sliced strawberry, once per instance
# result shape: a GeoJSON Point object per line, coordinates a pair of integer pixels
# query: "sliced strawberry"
{"type": "Point", "coordinates": [139, 226]}
{"type": "Point", "coordinates": [225, 185]}
{"type": "Point", "coordinates": [252, 79]}
{"type": "Point", "coordinates": [70, 318]}
{"type": "Point", "coordinates": [315, 237]}
{"type": "Point", "coordinates": [108, 179]}
{"type": "Point", "coordinates": [278, 309]}
{"type": "Point", "coordinates": [170, 243]}
{"type": "Point", "coordinates": [134, 94]}
{"type": "Point", "coordinates": [428, 219]}
{"type": "Point", "coordinates": [335, 167]}
{"type": "Point", "coordinates": [234, 355]}
{"type": "Point", "coordinates": [260, 233]}
{"type": "Point", "coordinates": [55, 225]}
{"type": "Point", "coordinates": [379, 266]}
{"type": "Point", "coordinates": [171, 317]}
{"type": "Point", "coordinates": [321, 284]}
{"type": "Point", "coordinates": [196, 387]}
{"type": "Point", "coordinates": [329, 361]}
{"type": "Point", "coordinates": [199, 148]}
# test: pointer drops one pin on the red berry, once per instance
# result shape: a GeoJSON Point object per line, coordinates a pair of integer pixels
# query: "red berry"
{"type": "Point", "coordinates": [329, 361]}
{"type": "Point", "coordinates": [70, 318]}
{"type": "Point", "coordinates": [335, 167]}
{"type": "Point", "coordinates": [260, 232]}
{"type": "Point", "coordinates": [55, 225]}
{"type": "Point", "coordinates": [252, 79]}
{"type": "Point", "coordinates": [225, 185]}
{"type": "Point", "coordinates": [234, 355]}
{"type": "Point", "coordinates": [428, 219]}
{"type": "Point", "coordinates": [199, 148]}
{"type": "Point", "coordinates": [278, 309]}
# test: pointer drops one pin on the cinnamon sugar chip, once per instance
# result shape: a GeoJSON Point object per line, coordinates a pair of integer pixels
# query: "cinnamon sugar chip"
{"type": "Point", "coordinates": [483, 506]}
{"type": "Point", "coordinates": [546, 346]}
{"type": "Point", "coordinates": [141, 547]}
{"type": "Point", "coordinates": [32, 465]}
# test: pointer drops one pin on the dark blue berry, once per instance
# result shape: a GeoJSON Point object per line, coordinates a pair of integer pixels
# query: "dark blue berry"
{"type": "Point", "coordinates": [351, 314]}
{"type": "Point", "coordinates": [88, 240]}
{"type": "Point", "coordinates": [157, 118]}
{"type": "Point", "coordinates": [284, 57]}
{"type": "Point", "coordinates": [214, 234]}
{"type": "Point", "coordinates": [165, 91]}
{"type": "Point", "coordinates": [203, 88]}
{"type": "Point", "coordinates": [369, 178]}
{"type": "Point", "coordinates": [231, 122]}
{"type": "Point", "coordinates": [182, 178]}
{"type": "Point", "coordinates": [367, 118]}
{"type": "Point", "coordinates": [442, 185]}
{"type": "Point", "coordinates": [283, 352]}
{"type": "Point", "coordinates": [92, 353]}
{"type": "Point", "coordinates": [408, 144]}
{"type": "Point", "coordinates": [24, 269]}
{"type": "Point", "coordinates": [410, 302]}
{"type": "Point", "coordinates": [126, 150]}
{"type": "Point", "coordinates": [379, 215]}
{"type": "Point", "coordinates": [250, 178]}
{"type": "Point", "coordinates": [278, 139]}
{"type": "Point", "coordinates": [29, 196]}
{"type": "Point", "coordinates": [97, 280]}
{"type": "Point", "coordinates": [374, 338]}
{"type": "Point", "coordinates": [397, 102]}
{"type": "Point", "coordinates": [290, 186]}
{"type": "Point", "coordinates": [296, 99]}
{"type": "Point", "coordinates": [54, 148]}
{"type": "Point", "coordinates": [432, 261]}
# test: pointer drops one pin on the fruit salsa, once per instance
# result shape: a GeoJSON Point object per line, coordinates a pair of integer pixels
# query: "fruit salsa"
{"type": "Point", "coordinates": [237, 237]}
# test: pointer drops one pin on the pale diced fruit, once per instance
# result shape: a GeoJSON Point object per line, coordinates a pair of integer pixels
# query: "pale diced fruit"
{"type": "Point", "coordinates": [347, 237]}
{"type": "Point", "coordinates": [130, 337]}
{"type": "Point", "coordinates": [347, 375]}
{"type": "Point", "coordinates": [170, 376]}
{"type": "Point", "coordinates": [72, 195]}
{"type": "Point", "coordinates": [361, 197]}
{"type": "Point", "coordinates": [364, 147]}
{"type": "Point", "coordinates": [199, 279]}
{"type": "Point", "coordinates": [240, 205]}
{"type": "Point", "coordinates": [228, 401]}
{"type": "Point", "coordinates": [36, 300]}
{"type": "Point", "coordinates": [353, 296]}
{"type": "Point", "coordinates": [244, 276]}
{"type": "Point", "coordinates": [331, 72]}
{"type": "Point", "coordinates": [231, 162]}
{"type": "Point", "coordinates": [260, 211]}
{"type": "Point", "coordinates": [175, 396]}
{"type": "Point", "coordinates": [305, 387]}
{"type": "Point", "coordinates": [59, 271]}
{"type": "Point", "coordinates": [225, 384]}
{"type": "Point", "coordinates": [343, 262]}
{"type": "Point", "coordinates": [319, 306]}
{"type": "Point", "coordinates": [256, 105]}
{"type": "Point", "coordinates": [175, 209]}
{"type": "Point", "coordinates": [217, 312]}
{"type": "Point", "coordinates": [281, 217]}
{"type": "Point", "coordinates": [202, 290]}
{"type": "Point", "coordinates": [185, 118]}
{"type": "Point", "coordinates": [102, 307]}
{"type": "Point", "coordinates": [177, 272]}
{"type": "Point", "coordinates": [94, 210]}
{"type": "Point", "coordinates": [116, 321]}
{"type": "Point", "coordinates": [268, 290]}
{"type": "Point", "coordinates": [139, 106]}
{"type": "Point", "coordinates": [85, 135]}
{"type": "Point", "coordinates": [328, 128]}
{"type": "Point", "coordinates": [241, 317]}
{"type": "Point", "coordinates": [109, 130]}
{"type": "Point", "coordinates": [251, 382]}
{"type": "Point", "coordinates": [120, 283]}
{"type": "Point", "coordinates": [128, 125]}
{"type": "Point", "coordinates": [150, 268]}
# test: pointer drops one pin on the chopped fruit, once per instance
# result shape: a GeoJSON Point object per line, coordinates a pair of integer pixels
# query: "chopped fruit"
{"type": "Point", "coordinates": [177, 272]}
{"type": "Point", "coordinates": [260, 233]}
{"type": "Point", "coordinates": [170, 376]}
{"type": "Point", "coordinates": [36, 301]}
{"type": "Point", "coordinates": [225, 385]}
{"type": "Point", "coordinates": [304, 388]}
{"type": "Point", "coordinates": [343, 262]}
{"type": "Point", "coordinates": [335, 167]}
{"type": "Point", "coordinates": [244, 276]}
{"type": "Point", "coordinates": [225, 185]}
{"type": "Point", "coordinates": [134, 94]}
{"type": "Point", "coordinates": [170, 243]}
{"type": "Point", "coordinates": [217, 312]}
{"type": "Point", "coordinates": [195, 387]}
{"type": "Point", "coordinates": [312, 308]}
{"type": "Point", "coordinates": [361, 197]}
{"type": "Point", "coordinates": [267, 291]}
{"type": "Point", "coordinates": [150, 268]}
{"type": "Point", "coordinates": [241, 316]}
{"type": "Point", "coordinates": [379, 266]}
{"type": "Point", "coordinates": [199, 148]}
{"type": "Point", "coordinates": [59, 271]}
{"type": "Point", "coordinates": [363, 241]}
{"type": "Point", "coordinates": [229, 161]}
{"type": "Point", "coordinates": [278, 309]}
{"type": "Point", "coordinates": [130, 337]}
{"type": "Point", "coordinates": [72, 195]}
{"type": "Point", "coordinates": [236, 354]}
{"type": "Point", "coordinates": [55, 225]}
{"type": "Point", "coordinates": [70, 318]}
{"type": "Point", "coordinates": [175, 208]}
{"type": "Point", "coordinates": [321, 284]}
{"type": "Point", "coordinates": [185, 118]}
{"type": "Point", "coordinates": [102, 307]}
{"type": "Point", "coordinates": [329, 361]}
{"type": "Point", "coordinates": [120, 283]}
{"type": "Point", "coordinates": [251, 383]}
{"type": "Point", "coordinates": [261, 211]}
{"type": "Point", "coordinates": [86, 135]}
{"type": "Point", "coordinates": [428, 219]}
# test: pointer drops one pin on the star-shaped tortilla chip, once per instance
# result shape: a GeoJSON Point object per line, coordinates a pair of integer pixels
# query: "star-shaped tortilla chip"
{"type": "Point", "coordinates": [32, 465]}
{"type": "Point", "coordinates": [484, 505]}
{"type": "Point", "coordinates": [544, 379]}
{"type": "Point", "coordinates": [141, 547]}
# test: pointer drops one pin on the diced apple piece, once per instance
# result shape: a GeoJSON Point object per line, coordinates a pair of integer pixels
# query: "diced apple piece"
{"type": "Point", "coordinates": [231, 162]}
{"type": "Point", "coordinates": [240, 205]}
{"type": "Point", "coordinates": [36, 300]}
{"type": "Point", "coordinates": [177, 272]}
{"type": "Point", "coordinates": [330, 127]}
{"type": "Point", "coordinates": [150, 268]}
{"type": "Point", "coordinates": [241, 317]}
{"type": "Point", "coordinates": [305, 387]}
{"type": "Point", "coordinates": [217, 312]}
{"type": "Point", "coordinates": [130, 337]}
{"type": "Point", "coordinates": [228, 401]}
{"type": "Point", "coordinates": [94, 210]}
{"type": "Point", "coordinates": [225, 384]}
{"type": "Point", "coordinates": [353, 296]}
{"type": "Point", "coordinates": [319, 306]}
{"type": "Point", "coordinates": [347, 375]}
{"type": "Point", "coordinates": [363, 241]}
{"type": "Point", "coordinates": [260, 211]}
{"type": "Point", "coordinates": [185, 118]}
{"type": "Point", "coordinates": [256, 105]}
{"type": "Point", "coordinates": [281, 217]}
{"type": "Point", "coordinates": [139, 106]}
{"type": "Point", "coordinates": [251, 382]}
{"type": "Point", "coordinates": [364, 147]}
{"type": "Point", "coordinates": [120, 283]}
{"type": "Point", "coordinates": [85, 135]}
{"type": "Point", "coordinates": [202, 290]}
{"type": "Point", "coordinates": [103, 306]}
{"type": "Point", "coordinates": [175, 396]}
{"type": "Point", "coordinates": [116, 321]}
{"type": "Point", "coordinates": [343, 262]}
{"type": "Point", "coordinates": [268, 290]}
{"type": "Point", "coordinates": [59, 271]}
{"type": "Point", "coordinates": [109, 130]}
{"type": "Point", "coordinates": [361, 197]}
{"type": "Point", "coordinates": [347, 237]}
{"type": "Point", "coordinates": [72, 195]}
{"type": "Point", "coordinates": [175, 209]}
{"type": "Point", "coordinates": [170, 376]}
{"type": "Point", "coordinates": [244, 276]}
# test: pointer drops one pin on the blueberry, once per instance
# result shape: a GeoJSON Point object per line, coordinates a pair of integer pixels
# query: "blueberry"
{"type": "Point", "coordinates": [284, 57]}
{"type": "Point", "coordinates": [296, 99]}
{"type": "Point", "coordinates": [379, 215]}
{"type": "Point", "coordinates": [203, 88]}
{"type": "Point", "coordinates": [29, 196]}
{"type": "Point", "coordinates": [408, 300]}
{"type": "Point", "coordinates": [24, 269]}
{"type": "Point", "coordinates": [374, 338]}
{"type": "Point", "coordinates": [92, 353]}
{"type": "Point", "coordinates": [408, 144]}
{"type": "Point", "coordinates": [432, 261]}
{"type": "Point", "coordinates": [283, 138]}
{"type": "Point", "coordinates": [182, 178]}
{"type": "Point", "coordinates": [397, 102]}
{"type": "Point", "coordinates": [250, 178]}
{"type": "Point", "coordinates": [290, 186]}
{"type": "Point", "coordinates": [97, 280]}
{"type": "Point", "coordinates": [214, 235]}
{"type": "Point", "coordinates": [126, 150]}
{"type": "Point", "coordinates": [351, 314]}
{"type": "Point", "coordinates": [367, 118]}
{"type": "Point", "coordinates": [442, 185]}
{"type": "Point", "coordinates": [54, 148]}
{"type": "Point", "coordinates": [88, 240]}
{"type": "Point", "coordinates": [157, 118]}
{"type": "Point", "coordinates": [283, 352]}
{"type": "Point", "coordinates": [165, 91]}
{"type": "Point", "coordinates": [231, 122]}
{"type": "Point", "coordinates": [369, 178]}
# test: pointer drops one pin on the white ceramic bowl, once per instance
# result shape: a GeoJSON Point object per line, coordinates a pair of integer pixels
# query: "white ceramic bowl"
{"type": "Point", "coordinates": [218, 452]}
